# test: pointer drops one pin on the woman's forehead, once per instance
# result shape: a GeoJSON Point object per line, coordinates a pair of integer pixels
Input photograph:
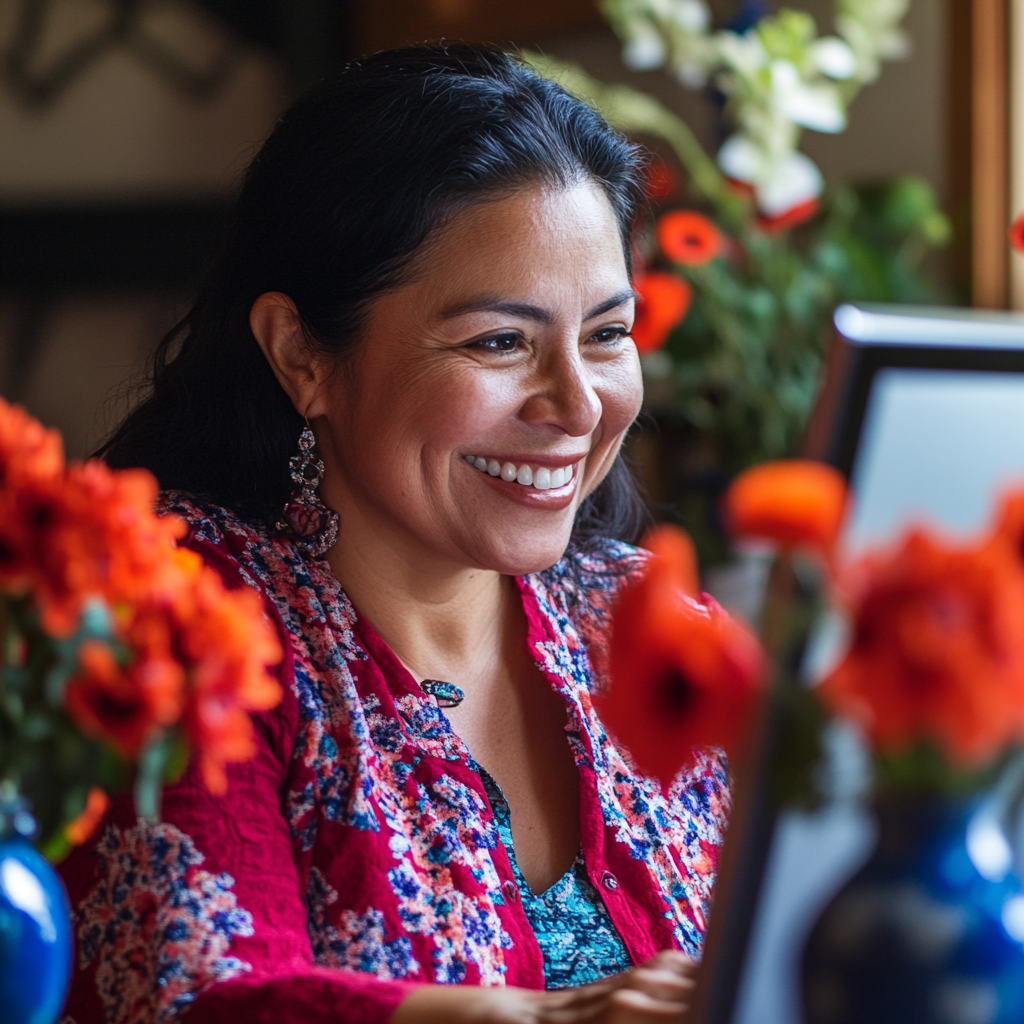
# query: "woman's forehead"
{"type": "Point", "coordinates": [545, 239]}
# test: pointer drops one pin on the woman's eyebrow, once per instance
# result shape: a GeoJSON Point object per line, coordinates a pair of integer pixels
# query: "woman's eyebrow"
{"type": "Point", "coordinates": [608, 304]}
{"type": "Point", "coordinates": [527, 310]}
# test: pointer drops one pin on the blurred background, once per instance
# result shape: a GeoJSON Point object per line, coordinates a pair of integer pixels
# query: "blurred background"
{"type": "Point", "coordinates": [124, 126]}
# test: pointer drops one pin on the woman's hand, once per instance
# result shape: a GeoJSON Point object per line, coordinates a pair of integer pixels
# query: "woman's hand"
{"type": "Point", "coordinates": [656, 992]}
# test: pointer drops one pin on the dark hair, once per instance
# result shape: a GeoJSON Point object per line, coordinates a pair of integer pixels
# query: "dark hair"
{"type": "Point", "coordinates": [351, 182]}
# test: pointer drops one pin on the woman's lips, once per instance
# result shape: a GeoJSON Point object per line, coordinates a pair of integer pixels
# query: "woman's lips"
{"type": "Point", "coordinates": [551, 487]}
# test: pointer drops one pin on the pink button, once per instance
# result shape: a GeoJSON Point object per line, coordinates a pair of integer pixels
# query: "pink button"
{"type": "Point", "coordinates": [609, 881]}
{"type": "Point", "coordinates": [511, 891]}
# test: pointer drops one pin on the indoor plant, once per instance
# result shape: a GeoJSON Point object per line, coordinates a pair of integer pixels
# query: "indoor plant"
{"type": "Point", "coordinates": [121, 655]}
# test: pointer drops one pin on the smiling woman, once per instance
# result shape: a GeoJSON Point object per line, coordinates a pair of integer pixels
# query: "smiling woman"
{"type": "Point", "coordinates": [417, 345]}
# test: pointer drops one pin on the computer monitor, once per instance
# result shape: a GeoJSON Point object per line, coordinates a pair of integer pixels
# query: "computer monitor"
{"type": "Point", "coordinates": [923, 410]}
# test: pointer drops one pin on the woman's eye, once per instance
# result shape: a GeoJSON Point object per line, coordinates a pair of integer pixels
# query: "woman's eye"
{"type": "Point", "coordinates": [500, 343]}
{"type": "Point", "coordinates": [610, 334]}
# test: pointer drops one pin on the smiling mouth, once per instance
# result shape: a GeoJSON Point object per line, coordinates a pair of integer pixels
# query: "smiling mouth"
{"type": "Point", "coordinates": [539, 477]}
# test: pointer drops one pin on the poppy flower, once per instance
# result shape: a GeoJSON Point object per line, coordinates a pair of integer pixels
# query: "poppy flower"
{"type": "Point", "coordinates": [793, 502]}
{"type": "Point", "coordinates": [81, 829]}
{"type": "Point", "coordinates": [689, 238]}
{"type": "Point", "coordinates": [1017, 234]}
{"type": "Point", "coordinates": [683, 674]}
{"type": "Point", "coordinates": [937, 650]}
{"type": "Point", "coordinates": [791, 218]}
{"type": "Point", "coordinates": [662, 304]}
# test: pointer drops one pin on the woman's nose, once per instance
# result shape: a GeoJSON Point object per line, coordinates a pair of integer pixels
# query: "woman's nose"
{"type": "Point", "coordinates": [563, 396]}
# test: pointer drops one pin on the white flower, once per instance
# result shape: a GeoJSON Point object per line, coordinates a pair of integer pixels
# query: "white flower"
{"type": "Point", "coordinates": [795, 180]}
{"type": "Point", "coordinates": [741, 160]}
{"type": "Point", "coordinates": [812, 106]}
{"type": "Point", "coordinates": [645, 50]}
{"type": "Point", "coordinates": [691, 15]}
{"type": "Point", "coordinates": [779, 185]}
{"type": "Point", "coordinates": [833, 57]}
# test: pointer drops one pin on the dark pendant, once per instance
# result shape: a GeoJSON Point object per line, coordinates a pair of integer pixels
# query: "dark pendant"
{"type": "Point", "coordinates": [447, 695]}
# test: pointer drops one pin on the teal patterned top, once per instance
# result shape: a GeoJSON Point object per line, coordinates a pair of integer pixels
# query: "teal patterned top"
{"type": "Point", "coordinates": [573, 927]}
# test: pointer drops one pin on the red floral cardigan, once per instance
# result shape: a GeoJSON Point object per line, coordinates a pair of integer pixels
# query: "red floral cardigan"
{"type": "Point", "coordinates": [356, 856]}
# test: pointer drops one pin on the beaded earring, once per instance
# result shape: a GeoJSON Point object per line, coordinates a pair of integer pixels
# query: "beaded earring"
{"type": "Point", "coordinates": [306, 519]}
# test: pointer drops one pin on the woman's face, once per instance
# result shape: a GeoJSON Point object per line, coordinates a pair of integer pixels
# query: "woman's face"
{"type": "Point", "coordinates": [492, 391]}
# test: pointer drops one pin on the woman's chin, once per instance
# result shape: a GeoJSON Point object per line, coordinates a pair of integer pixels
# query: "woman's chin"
{"type": "Point", "coordinates": [532, 551]}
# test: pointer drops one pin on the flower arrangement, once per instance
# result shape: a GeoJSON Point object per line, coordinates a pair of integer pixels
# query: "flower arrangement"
{"type": "Point", "coordinates": [761, 249]}
{"type": "Point", "coordinates": [120, 652]}
{"type": "Point", "coordinates": [931, 672]}
{"type": "Point", "coordinates": [776, 74]}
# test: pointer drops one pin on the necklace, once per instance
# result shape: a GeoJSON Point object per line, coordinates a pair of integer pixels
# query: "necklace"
{"type": "Point", "coordinates": [447, 695]}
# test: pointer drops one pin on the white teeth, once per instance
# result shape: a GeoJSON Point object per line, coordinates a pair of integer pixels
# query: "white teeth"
{"type": "Point", "coordinates": [542, 478]}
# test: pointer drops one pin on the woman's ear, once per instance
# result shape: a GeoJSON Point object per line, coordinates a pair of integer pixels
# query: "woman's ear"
{"type": "Point", "coordinates": [278, 330]}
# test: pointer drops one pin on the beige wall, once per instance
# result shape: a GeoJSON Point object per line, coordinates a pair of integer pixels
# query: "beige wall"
{"type": "Point", "coordinates": [122, 133]}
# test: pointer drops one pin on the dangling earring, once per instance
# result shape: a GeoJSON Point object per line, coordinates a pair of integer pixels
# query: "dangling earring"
{"type": "Point", "coordinates": [306, 519]}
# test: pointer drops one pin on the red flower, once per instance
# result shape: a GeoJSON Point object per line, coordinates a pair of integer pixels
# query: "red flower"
{"type": "Point", "coordinates": [1017, 234]}
{"type": "Point", "coordinates": [937, 652]}
{"type": "Point", "coordinates": [794, 502]}
{"type": "Point", "coordinates": [28, 451]}
{"type": "Point", "coordinates": [663, 303]}
{"type": "Point", "coordinates": [684, 675]}
{"type": "Point", "coordinates": [228, 642]}
{"type": "Point", "coordinates": [660, 180]}
{"type": "Point", "coordinates": [790, 218]}
{"type": "Point", "coordinates": [689, 238]}
{"type": "Point", "coordinates": [126, 707]}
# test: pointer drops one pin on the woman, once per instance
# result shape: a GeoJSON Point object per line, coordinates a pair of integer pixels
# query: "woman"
{"type": "Point", "coordinates": [424, 311]}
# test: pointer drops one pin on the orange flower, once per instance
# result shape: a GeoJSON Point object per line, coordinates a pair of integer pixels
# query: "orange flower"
{"type": "Point", "coordinates": [663, 303]}
{"type": "Point", "coordinates": [28, 451]}
{"type": "Point", "coordinates": [790, 218]}
{"type": "Point", "coordinates": [684, 675]}
{"type": "Point", "coordinates": [937, 652]}
{"type": "Point", "coordinates": [127, 707]}
{"type": "Point", "coordinates": [196, 654]}
{"type": "Point", "coordinates": [689, 238]}
{"type": "Point", "coordinates": [1017, 233]}
{"type": "Point", "coordinates": [82, 828]}
{"type": "Point", "coordinates": [1010, 524]}
{"type": "Point", "coordinates": [227, 638]}
{"type": "Point", "coordinates": [794, 502]}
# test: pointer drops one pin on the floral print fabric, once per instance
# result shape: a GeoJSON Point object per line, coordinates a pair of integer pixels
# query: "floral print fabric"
{"type": "Point", "coordinates": [577, 937]}
{"type": "Point", "coordinates": [357, 856]}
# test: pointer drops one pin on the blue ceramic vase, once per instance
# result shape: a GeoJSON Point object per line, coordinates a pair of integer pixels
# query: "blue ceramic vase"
{"type": "Point", "coordinates": [35, 930]}
{"type": "Point", "coordinates": [929, 931]}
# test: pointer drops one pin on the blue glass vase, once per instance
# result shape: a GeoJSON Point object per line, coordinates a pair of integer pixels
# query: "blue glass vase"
{"type": "Point", "coordinates": [929, 931]}
{"type": "Point", "coordinates": [35, 936]}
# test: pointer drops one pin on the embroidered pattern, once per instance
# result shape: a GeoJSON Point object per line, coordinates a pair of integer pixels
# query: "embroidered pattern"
{"type": "Point", "coordinates": [376, 764]}
{"type": "Point", "coordinates": [357, 942]}
{"type": "Point", "coordinates": [163, 926]}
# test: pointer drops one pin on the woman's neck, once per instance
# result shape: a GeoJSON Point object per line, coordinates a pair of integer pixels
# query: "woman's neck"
{"type": "Point", "coordinates": [443, 620]}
